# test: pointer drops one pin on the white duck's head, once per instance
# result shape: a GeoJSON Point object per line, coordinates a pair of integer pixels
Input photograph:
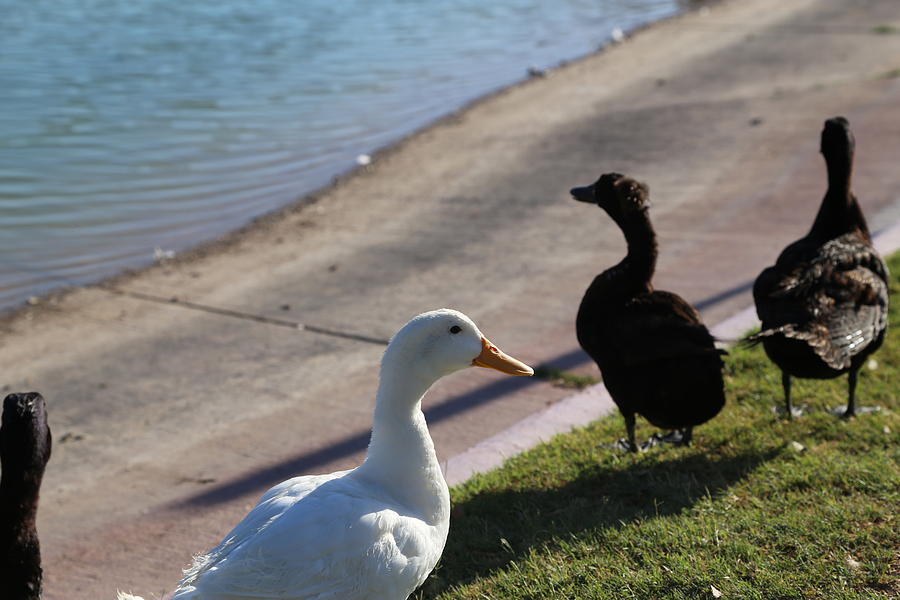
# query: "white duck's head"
{"type": "Point", "coordinates": [440, 342]}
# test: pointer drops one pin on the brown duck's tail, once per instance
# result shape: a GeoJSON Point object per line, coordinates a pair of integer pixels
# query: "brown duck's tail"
{"type": "Point", "coordinates": [834, 356]}
{"type": "Point", "coordinates": [789, 331]}
{"type": "Point", "coordinates": [755, 339]}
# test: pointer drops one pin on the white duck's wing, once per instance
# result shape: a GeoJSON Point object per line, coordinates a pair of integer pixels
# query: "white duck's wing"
{"type": "Point", "coordinates": [270, 507]}
{"type": "Point", "coordinates": [337, 543]}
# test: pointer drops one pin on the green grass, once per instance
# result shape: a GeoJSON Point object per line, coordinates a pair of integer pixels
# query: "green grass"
{"type": "Point", "coordinates": [564, 379]}
{"type": "Point", "coordinates": [744, 509]}
{"type": "Point", "coordinates": [885, 29]}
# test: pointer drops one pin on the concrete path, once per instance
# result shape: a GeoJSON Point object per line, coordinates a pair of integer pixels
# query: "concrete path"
{"type": "Point", "coordinates": [170, 417]}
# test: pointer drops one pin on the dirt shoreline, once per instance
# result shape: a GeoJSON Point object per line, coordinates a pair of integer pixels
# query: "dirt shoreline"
{"type": "Point", "coordinates": [171, 420]}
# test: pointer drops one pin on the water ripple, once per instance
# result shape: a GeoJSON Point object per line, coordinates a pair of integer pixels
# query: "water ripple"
{"type": "Point", "coordinates": [162, 123]}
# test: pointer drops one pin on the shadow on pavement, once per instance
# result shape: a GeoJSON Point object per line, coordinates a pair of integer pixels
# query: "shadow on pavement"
{"type": "Point", "coordinates": [723, 296]}
{"type": "Point", "coordinates": [309, 462]}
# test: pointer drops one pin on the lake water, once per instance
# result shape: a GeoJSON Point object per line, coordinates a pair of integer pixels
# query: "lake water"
{"type": "Point", "coordinates": [132, 125]}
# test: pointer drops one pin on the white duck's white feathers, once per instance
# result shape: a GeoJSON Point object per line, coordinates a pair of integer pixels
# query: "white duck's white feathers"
{"type": "Point", "coordinates": [371, 533]}
{"type": "Point", "coordinates": [322, 537]}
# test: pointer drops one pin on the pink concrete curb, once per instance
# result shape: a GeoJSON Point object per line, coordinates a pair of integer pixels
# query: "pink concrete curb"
{"type": "Point", "coordinates": [575, 411]}
{"type": "Point", "coordinates": [887, 241]}
{"type": "Point", "coordinates": [591, 403]}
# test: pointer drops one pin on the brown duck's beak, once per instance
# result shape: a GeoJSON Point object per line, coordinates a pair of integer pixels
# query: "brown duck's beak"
{"type": "Point", "coordinates": [492, 357]}
{"type": "Point", "coordinates": [584, 194]}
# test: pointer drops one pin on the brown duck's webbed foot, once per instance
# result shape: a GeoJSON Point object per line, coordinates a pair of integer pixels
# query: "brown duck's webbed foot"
{"type": "Point", "coordinates": [796, 411]}
{"type": "Point", "coordinates": [842, 412]}
{"type": "Point", "coordinates": [677, 437]}
{"type": "Point", "coordinates": [623, 445]}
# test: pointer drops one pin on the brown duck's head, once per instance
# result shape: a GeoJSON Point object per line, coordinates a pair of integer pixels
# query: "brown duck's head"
{"type": "Point", "coordinates": [621, 197]}
{"type": "Point", "coordinates": [25, 440]}
{"type": "Point", "coordinates": [837, 139]}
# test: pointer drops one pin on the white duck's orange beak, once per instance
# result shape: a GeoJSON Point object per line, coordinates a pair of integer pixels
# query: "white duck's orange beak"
{"type": "Point", "coordinates": [492, 357]}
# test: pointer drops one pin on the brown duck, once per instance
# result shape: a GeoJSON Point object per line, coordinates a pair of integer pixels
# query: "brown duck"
{"type": "Point", "coordinates": [24, 452]}
{"type": "Point", "coordinates": [824, 303]}
{"type": "Point", "coordinates": [657, 358]}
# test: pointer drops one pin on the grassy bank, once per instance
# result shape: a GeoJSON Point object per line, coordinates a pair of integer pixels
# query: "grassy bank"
{"type": "Point", "coordinates": [758, 508]}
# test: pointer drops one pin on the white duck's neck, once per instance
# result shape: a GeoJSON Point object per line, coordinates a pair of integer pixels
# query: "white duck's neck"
{"type": "Point", "coordinates": [401, 454]}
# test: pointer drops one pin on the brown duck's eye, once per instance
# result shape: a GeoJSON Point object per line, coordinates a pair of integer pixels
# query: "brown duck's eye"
{"type": "Point", "coordinates": [455, 329]}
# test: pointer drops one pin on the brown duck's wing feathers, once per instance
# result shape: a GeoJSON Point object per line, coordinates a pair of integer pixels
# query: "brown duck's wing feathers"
{"type": "Point", "coordinates": [809, 258]}
{"type": "Point", "coordinates": [835, 300]}
{"type": "Point", "coordinates": [660, 325]}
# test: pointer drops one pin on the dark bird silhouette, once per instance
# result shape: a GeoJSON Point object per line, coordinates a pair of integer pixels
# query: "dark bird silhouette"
{"type": "Point", "coordinates": [24, 451]}
{"type": "Point", "coordinates": [824, 303]}
{"type": "Point", "coordinates": [656, 356]}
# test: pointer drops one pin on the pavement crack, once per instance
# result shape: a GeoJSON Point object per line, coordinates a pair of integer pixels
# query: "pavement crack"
{"type": "Point", "coordinates": [237, 314]}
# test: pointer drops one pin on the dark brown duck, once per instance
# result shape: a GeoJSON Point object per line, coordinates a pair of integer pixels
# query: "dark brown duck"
{"type": "Point", "coordinates": [657, 358]}
{"type": "Point", "coordinates": [824, 303]}
{"type": "Point", "coordinates": [24, 452]}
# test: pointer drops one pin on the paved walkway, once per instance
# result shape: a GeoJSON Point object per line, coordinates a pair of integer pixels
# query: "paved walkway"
{"type": "Point", "coordinates": [171, 417]}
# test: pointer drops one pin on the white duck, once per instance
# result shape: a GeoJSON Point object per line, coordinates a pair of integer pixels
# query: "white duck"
{"type": "Point", "coordinates": [371, 533]}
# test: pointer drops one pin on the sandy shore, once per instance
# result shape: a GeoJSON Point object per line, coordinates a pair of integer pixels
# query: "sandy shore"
{"type": "Point", "coordinates": [170, 418]}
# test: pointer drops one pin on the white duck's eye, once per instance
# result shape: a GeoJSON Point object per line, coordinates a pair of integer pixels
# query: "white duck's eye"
{"type": "Point", "coordinates": [455, 329]}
